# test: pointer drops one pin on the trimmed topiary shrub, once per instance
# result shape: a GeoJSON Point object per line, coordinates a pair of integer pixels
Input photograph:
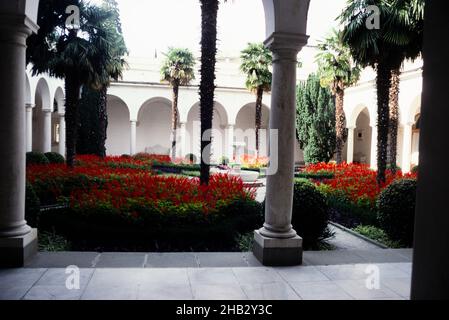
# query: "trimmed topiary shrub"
{"type": "Point", "coordinates": [36, 158]}
{"type": "Point", "coordinates": [396, 211]}
{"type": "Point", "coordinates": [32, 206]}
{"type": "Point", "coordinates": [55, 158]}
{"type": "Point", "coordinates": [310, 214]}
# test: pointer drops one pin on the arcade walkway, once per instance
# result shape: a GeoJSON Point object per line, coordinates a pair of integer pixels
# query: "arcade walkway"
{"type": "Point", "coordinates": [210, 276]}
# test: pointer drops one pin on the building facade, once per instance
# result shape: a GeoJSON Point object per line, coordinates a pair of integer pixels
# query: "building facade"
{"type": "Point", "coordinates": [139, 111]}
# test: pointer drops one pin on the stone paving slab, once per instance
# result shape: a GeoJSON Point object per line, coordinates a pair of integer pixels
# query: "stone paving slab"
{"type": "Point", "coordinates": [63, 259]}
{"type": "Point", "coordinates": [338, 282]}
{"type": "Point", "coordinates": [174, 260]}
{"type": "Point", "coordinates": [121, 260]}
{"type": "Point", "coordinates": [219, 260]}
{"type": "Point", "coordinates": [208, 260]}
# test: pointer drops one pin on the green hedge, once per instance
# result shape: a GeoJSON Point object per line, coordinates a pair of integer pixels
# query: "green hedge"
{"type": "Point", "coordinates": [315, 176]}
{"type": "Point", "coordinates": [176, 228]}
{"type": "Point", "coordinates": [36, 158]}
{"type": "Point", "coordinates": [310, 214]}
{"type": "Point", "coordinates": [32, 206]}
{"type": "Point", "coordinates": [347, 213]}
{"type": "Point", "coordinates": [396, 210]}
{"type": "Point", "coordinates": [55, 158]}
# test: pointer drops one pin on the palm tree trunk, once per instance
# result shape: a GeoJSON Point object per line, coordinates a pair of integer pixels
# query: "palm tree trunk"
{"type": "Point", "coordinates": [258, 118]}
{"type": "Point", "coordinates": [209, 12]}
{"type": "Point", "coordinates": [394, 117]}
{"type": "Point", "coordinates": [383, 83]}
{"type": "Point", "coordinates": [340, 121]}
{"type": "Point", "coordinates": [102, 122]}
{"type": "Point", "coordinates": [175, 119]}
{"type": "Point", "coordinates": [72, 89]}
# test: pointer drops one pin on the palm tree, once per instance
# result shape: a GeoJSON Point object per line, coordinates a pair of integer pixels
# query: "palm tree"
{"type": "Point", "coordinates": [337, 71]}
{"type": "Point", "coordinates": [78, 55]}
{"type": "Point", "coordinates": [209, 13]}
{"type": "Point", "coordinates": [177, 70]}
{"type": "Point", "coordinates": [256, 60]}
{"type": "Point", "coordinates": [412, 14]}
{"type": "Point", "coordinates": [114, 68]}
{"type": "Point", "coordinates": [384, 49]}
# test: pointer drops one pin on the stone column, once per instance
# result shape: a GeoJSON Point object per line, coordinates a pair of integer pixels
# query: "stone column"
{"type": "Point", "coordinates": [407, 148]}
{"type": "Point", "coordinates": [431, 260]}
{"type": "Point", "coordinates": [17, 240]}
{"type": "Point", "coordinates": [373, 161]}
{"type": "Point", "coordinates": [230, 142]}
{"type": "Point", "coordinates": [29, 127]}
{"type": "Point", "coordinates": [277, 244]}
{"type": "Point", "coordinates": [46, 130]}
{"type": "Point", "coordinates": [182, 142]}
{"type": "Point", "coordinates": [133, 142]}
{"type": "Point", "coordinates": [62, 140]}
{"type": "Point", "coordinates": [350, 153]}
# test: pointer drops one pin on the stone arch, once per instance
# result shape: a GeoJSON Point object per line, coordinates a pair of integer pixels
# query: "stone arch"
{"type": "Point", "coordinates": [58, 112]}
{"type": "Point", "coordinates": [154, 126]}
{"type": "Point", "coordinates": [59, 100]}
{"type": "Point", "coordinates": [219, 126]}
{"type": "Point", "coordinates": [245, 129]}
{"type": "Point", "coordinates": [119, 131]}
{"type": "Point", "coordinates": [363, 137]}
{"type": "Point", "coordinates": [42, 117]}
{"type": "Point", "coordinates": [414, 109]}
{"type": "Point", "coordinates": [354, 115]}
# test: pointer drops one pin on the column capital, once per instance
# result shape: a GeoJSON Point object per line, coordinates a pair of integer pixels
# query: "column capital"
{"type": "Point", "coordinates": [16, 23]}
{"type": "Point", "coordinates": [30, 106]}
{"type": "Point", "coordinates": [47, 111]}
{"type": "Point", "coordinates": [286, 44]}
{"type": "Point", "coordinates": [351, 128]}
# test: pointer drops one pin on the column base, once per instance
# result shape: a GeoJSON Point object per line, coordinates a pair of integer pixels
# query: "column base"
{"type": "Point", "coordinates": [14, 252]}
{"type": "Point", "coordinates": [273, 252]}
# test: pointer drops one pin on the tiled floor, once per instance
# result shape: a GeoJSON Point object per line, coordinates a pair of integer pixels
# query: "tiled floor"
{"type": "Point", "coordinates": [332, 282]}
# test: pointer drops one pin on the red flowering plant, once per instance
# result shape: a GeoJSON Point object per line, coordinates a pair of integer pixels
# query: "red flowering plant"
{"type": "Point", "coordinates": [125, 180]}
{"type": "Point", "coordinates": [161, 193]}
{"type": "Point", "coordinates": [253, 162]}
{"type": "Point", "coordinates": [356, 181]}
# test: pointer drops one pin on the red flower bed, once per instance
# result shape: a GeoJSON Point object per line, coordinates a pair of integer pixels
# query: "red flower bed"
{"type": "Point", "coordinates": [152, 190]}
{"type": "Point", "coordinates": [120, 182]}
{"type": "Point", "coordinates": [357, 181]}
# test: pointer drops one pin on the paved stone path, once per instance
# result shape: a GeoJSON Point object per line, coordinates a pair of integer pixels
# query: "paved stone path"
{"type": "Point", "coordinates": [210, 276]}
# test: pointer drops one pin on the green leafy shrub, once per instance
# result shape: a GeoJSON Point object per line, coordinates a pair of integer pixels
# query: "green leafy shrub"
{"type": "Point", "coordinates": [51, 242]}
{"type": "Point", "coordinates": [415, 169]}
{"type": "Point", "coordinates": [376, 234]}
{"type": "Point", "coordinates": [36, 158]}
{"type": "Point", "coordinates": [396, 210]}
{"type": "Point", "coordinates": [55, 158]}
{"type": "Point", "coordinates": [174, 228]}
{"type": "Point", "coordinates": [310, 213]}
{"type": "Point", "coordinates": [315, 175]}
{"type": "Point", "coordinates": [32, 206]}
{"type": "Point", "coordinates": [347, 212]}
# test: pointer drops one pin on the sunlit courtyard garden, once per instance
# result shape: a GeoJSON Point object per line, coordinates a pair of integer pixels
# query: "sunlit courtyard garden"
{"type": "Point", "coordinates": [148, 203]}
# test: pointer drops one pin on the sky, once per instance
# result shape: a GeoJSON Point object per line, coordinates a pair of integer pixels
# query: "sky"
{"type": "Point", "coordinates": [155, 25]}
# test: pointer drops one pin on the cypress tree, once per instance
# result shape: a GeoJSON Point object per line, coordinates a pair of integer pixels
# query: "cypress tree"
{"type": "Point", "coordinates": [315, 121]}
